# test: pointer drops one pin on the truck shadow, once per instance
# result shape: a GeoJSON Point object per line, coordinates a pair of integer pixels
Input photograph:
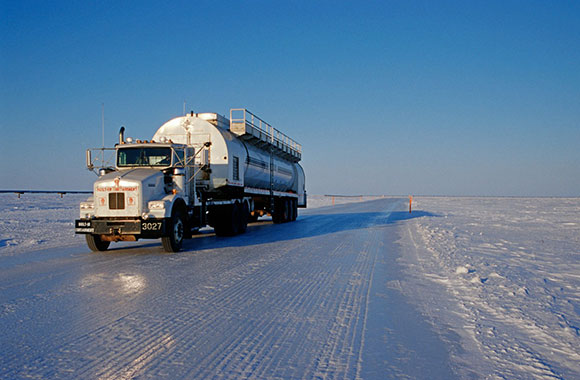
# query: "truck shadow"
{"type": "Point", "coordinates": [306, 226]}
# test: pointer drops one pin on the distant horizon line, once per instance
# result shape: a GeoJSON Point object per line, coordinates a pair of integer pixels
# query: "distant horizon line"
{"type": "Point", "coordinates": [30, 191]}
{"type": "Point", "coordinates": [444, 195]}
{"type": "Point", "coordinates": [46, 191]}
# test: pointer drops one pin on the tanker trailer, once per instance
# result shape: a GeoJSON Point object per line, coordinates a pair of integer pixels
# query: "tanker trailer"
{"type": "Point", "coordinates": [199, 169]}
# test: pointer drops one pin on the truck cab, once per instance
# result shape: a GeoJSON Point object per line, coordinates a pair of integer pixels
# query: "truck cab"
{"type": "Point", "coordinates": [146, 195]}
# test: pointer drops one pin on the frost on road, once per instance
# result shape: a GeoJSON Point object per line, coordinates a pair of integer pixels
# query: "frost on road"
{"type": "Point", "coordinates": [317, 298]}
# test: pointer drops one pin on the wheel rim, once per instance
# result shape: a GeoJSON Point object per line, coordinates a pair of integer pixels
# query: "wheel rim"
{"type": "Point", "coordinates": [178, 231]}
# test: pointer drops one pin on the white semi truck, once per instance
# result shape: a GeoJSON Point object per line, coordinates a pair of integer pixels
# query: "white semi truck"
{"type": "Point", "coordinates": [197, 170]}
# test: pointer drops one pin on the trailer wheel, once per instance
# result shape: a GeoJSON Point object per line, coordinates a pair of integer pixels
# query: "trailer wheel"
{"type": "Point", "coordinates": [291, 210]}
{"type": "Point", "coordinates": [173, 242]}
{"type": "Point", "coordinates": [281, 211]}
{"type": "Point", "coordinates": [286, 216]}
{"type": "Point", "coordinates": [277, 212]}
{"type": "Point", "coordinates": [217, 217]}
{"type": "Point", "coordinates": [96, 244]}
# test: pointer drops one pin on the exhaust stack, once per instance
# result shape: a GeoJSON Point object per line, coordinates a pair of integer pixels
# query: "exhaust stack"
{"type": "Point", "coordinates": [122, 135]}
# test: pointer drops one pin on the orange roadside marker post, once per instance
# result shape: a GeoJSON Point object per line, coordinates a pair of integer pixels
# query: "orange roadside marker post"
{"type": "Point", "coordinates": [410, 202]}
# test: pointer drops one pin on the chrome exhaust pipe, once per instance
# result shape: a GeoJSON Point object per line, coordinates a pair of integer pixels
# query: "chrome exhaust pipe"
{"type": "Point", "coordinates": [122, 135]}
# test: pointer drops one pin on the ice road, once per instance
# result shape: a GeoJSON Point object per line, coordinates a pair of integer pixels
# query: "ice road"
{"type": "Point", "coordinates": [311, 299]}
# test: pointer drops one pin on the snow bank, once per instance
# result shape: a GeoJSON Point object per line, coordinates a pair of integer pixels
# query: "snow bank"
{"type": "Point", "coordinates": [37, 221]}
{"type": "Point", "coordinates": [504, 274]}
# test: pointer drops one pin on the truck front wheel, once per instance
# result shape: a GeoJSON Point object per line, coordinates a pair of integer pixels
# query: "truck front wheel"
{"type": "Point", "coordinates": [176, 230]}
{"type": "Point", "coordinates": [96, 244]}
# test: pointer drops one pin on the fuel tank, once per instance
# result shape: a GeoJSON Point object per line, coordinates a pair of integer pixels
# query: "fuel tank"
{"type": "Point", "coordinates": [233, 160]}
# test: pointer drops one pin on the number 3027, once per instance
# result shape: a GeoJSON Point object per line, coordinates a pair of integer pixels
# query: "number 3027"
{"type": "Point", "coordinates": [152, 226]}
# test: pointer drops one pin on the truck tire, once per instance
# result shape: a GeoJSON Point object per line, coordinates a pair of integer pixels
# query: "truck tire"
{"type": "Point", "coordinates": [96, 244]}
{"type": "Point", "coordinates": [292, 207]}
{"type": "Point", "coordinates": [287, 211]}
{"type": "Point", "coordinates": [281, 211]}
{"type": "Point", "coordinates": [296, 207]}
{"type": "Point", "coordinates": [217, 217]}
{"type": "Point", "coordinates": [244, 217]}
{"type": "Point", "coordinates": [228, 222]}
{"type": "Point", "coordinates": [277, 214]}
{"type": "Point", "coordinates": [290, 210]}
{"type": "Point", "coordinates": [176, 230]}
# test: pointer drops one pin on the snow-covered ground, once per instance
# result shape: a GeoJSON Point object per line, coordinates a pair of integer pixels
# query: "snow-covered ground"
{"type": "Point", "coordinates": [504, 274]}
{"type": "Point", "coordinates": [498, 279]}
{"type": "Point", "coordinates": [37, 221]}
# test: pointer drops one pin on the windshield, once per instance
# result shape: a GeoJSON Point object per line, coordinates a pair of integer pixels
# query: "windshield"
{"type": "Point", "coordinates": [143, 156]}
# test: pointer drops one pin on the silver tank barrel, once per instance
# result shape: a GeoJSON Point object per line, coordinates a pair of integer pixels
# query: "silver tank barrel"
{"type": "Point", "coordinates": [233, 159]}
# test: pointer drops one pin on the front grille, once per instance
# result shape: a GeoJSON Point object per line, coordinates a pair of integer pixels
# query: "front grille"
{"type": "Point", "coordinates": [116, 201]}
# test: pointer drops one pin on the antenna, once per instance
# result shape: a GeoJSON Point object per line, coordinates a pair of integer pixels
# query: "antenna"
{"type": "Point", "coordinates": [103, 131]}
{"type": "Point", "coordinates": [103, 122]}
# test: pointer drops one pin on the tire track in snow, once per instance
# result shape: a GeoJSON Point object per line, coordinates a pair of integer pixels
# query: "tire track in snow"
{"type": "Point", "coordinates": [178, 322]}
{"type": "Point", "coordinates": [230, 293]}
{"type": "Point", "coordinates": [277, 305]}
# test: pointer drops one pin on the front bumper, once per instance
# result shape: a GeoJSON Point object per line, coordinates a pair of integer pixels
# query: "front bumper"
{"type": "Point", "coordinates": [150, 228]}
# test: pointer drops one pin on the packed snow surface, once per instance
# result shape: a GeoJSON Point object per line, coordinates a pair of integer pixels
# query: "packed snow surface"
{"type": "Point", "coordinates": [504, 274]}
{"type": "Point", "coordinates": [459, 288]}
{"type": "Point", "coordinates": [38, 221]}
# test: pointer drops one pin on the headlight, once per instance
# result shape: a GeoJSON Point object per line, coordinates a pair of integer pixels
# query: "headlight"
{"type": "Point", "coordinates": [156, 205]}
{"type": "Point", "coordinates": [87, 205]}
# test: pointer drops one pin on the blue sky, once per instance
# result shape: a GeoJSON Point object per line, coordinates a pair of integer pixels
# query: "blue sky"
{"type": "Point", "coordinates": [386, 97]}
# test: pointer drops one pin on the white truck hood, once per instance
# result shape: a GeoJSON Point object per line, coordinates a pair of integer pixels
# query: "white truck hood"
{"type": "Point", "coordinates": [133, 188]}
